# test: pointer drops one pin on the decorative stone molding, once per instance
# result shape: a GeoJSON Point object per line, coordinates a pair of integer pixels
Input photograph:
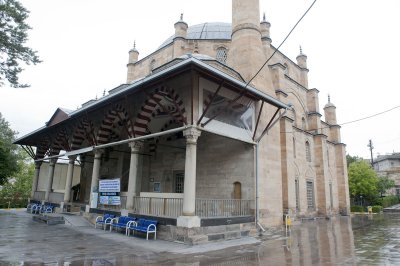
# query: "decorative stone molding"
{"type": "Point", "coordinates": [135, 146]}
{"type": "Point", "coordinates": [191, 135]}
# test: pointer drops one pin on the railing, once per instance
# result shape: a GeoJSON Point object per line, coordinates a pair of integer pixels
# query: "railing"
{"type": "Point", "coordinates": [166, 207]}
{"type": "Point", "coordinates": [206, 208]}
{"type": "Point", "coordinates": [223, 207]}
{"type": "Point", "coordinates": [39, 195]}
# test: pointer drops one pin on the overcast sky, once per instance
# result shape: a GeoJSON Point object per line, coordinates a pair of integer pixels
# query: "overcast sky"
{"type": "Point", "coordinates": [352, 48]}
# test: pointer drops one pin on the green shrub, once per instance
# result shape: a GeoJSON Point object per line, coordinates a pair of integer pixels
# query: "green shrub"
{"type": "Point", "coordinates": [357, 208]}
{"type": "Point", "coordinates": [390, 201]}
{"type": "Point", "coordinates": [377, 209]}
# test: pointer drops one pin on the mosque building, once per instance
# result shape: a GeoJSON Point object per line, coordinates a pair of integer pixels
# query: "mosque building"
{"type": "Point", "coordinates": [197, 140]}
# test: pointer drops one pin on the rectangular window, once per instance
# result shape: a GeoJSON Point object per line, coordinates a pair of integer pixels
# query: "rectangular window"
{"type": "Point", "coordinates": [179, 181]}
{"type": "Point", "coordinates": [331, 194]}
{"type": "Point", "coordinates": [310, 195]}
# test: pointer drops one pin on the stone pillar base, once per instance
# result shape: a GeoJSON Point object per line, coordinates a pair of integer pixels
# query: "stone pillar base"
{"type": "Point", "coordinates": [188, 221]}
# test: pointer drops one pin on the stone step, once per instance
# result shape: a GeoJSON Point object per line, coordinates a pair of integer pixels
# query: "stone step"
{"type": "Point", "coordinates": [49, 219]}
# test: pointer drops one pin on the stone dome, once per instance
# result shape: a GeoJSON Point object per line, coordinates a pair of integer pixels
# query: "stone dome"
{"type": "Point", "coordinates": [205, 31]}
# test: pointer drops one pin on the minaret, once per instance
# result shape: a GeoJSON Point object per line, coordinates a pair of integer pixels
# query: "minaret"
{"type": "Point", "coordinates": [133, 58]}
{"type": "Point", "coordinates": [180, 37]}
{"type": "Point", "coordinates": [246, 53]}
{"type": "Point", "coordinates": [302, 62]}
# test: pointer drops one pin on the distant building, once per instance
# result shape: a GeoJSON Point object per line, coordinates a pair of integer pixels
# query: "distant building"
{"type": "Point", "coordinates": [196, 142]}
{"type": "Point", "coordinates": [389, 165]}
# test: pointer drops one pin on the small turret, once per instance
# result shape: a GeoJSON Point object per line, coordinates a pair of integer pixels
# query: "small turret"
{"type": "Point", "coordinates": [133, 54]}
{"type": "Point", "coordinates": [302, 59]}
{"type": "Point", "coordinates": [265, 30]}
{"type": "Point", "coordinates": [330, 118]}
{"type": "Point", "coordinates": [302, 62]}
{"type": "Point", "coordinates": [330, 112]}
{"type": "Point", "coordinates": [181, 28]}
{"type": "Point", "coordinates": [180, 37]}
{"type": "Point", "coordinates": [133, 58]}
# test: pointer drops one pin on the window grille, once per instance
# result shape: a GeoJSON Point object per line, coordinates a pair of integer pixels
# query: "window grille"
{"type": "Point", "coordinates": [296, 186]}
{"type": "Point", "coordinates": [310, 195]}
{"type": "Point", "coordinates": [222, 54]}
{"type": "Point", "coordinates": [179, 182]}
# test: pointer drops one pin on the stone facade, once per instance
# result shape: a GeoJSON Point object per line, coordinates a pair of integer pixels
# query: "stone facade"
{"type": "Point", "coordinates": [192, 120]}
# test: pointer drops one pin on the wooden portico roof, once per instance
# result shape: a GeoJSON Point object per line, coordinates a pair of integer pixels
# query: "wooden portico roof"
{"type": "Point", "coordinates": [229, 77]}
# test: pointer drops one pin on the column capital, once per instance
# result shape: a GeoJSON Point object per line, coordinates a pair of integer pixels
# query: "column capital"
{"type": "Point", "coordinates": [136, 146]}
{"type": "Point", "coordinates": [38, 164]}
{"type": "Point", "coordinates": [52, 162]}
{"type": "Point", "coordinates": [72, 158]}
{"type": "Point", "coordinates": [98, 153]}
{"type": "Point", "coordinates": [191, 134]}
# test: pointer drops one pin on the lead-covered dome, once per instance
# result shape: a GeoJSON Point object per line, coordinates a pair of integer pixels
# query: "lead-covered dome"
{"type": "Point", "coordinates": [205, 31]}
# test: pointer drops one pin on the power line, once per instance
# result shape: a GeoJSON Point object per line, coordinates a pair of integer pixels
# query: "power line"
{"type": "Point", "coordinates": [353, 121]}
{"type": "Point", "coordinates": [364, 118]}
{"type": "Point", "coordinates": [277, 49]}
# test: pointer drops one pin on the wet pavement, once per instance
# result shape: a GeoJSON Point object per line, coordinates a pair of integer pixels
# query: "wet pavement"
{"type": "Point", "coordinates": [359, 240]}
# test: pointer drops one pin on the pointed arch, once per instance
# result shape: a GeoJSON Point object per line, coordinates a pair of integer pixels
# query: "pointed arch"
{"type": "Point", "coordinates": [83, 131]}
{"type": "Point", "coordinates": [117, 115]}
{"type": "Point", "coordinates": [153, 105]}
{"type": "Point", "coordinates": [61, 141]}
{"type": "Point", "coordinates": [41, 149]}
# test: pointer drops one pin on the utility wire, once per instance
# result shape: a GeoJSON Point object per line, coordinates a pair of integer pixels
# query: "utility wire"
{"type": "Point", "coordinates": [357, 120]}
{"type": "Point", "coordinates": [353, 121]}
{"type": "Point", "coordinates": [276, 50]}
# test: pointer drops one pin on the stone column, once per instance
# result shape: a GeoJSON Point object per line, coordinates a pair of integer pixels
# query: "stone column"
{"type": "Point", "coordinates": [68, 182]}
{"type": "Point", "coordinates": [35, 178]}
{"type": "Point", "coordinates": [133, 170]}
{"type": "Point", "coordinates": [94, 186]}
{"type": "Point", "coordinates": [50, 178]}
{"type": "Point", "coordinates": [189, 196]}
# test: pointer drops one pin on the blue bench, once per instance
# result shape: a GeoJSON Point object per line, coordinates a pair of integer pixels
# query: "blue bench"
{"type": "Point", "coordinates": [121, 222]}
{"type": "Point", "coordinates": [144, 226]}
{"type": "Point", "coordinates": [104, 220]}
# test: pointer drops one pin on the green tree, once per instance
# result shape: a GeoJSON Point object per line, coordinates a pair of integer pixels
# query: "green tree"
{"type": "Point", "coordinates": [13, 36]}
{"type": "Point", "coordinates": [384, 184]}
{"type": "Point", "coordinates": [18, 191]}
{"type": "Point", "coordinates": [351, 159]}
{"type": "Point", "coordinates": [363, 180]}
{"type": "Point", "coordinates": [8, 152]}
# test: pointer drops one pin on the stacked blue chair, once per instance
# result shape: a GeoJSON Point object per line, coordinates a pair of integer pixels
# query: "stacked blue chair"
{"type": "Point", "coordinates": [121, 222]}
{"type": "Point", "coordinates": [104, 220]}
{"type": "Point", "coordinates": [144, 226]}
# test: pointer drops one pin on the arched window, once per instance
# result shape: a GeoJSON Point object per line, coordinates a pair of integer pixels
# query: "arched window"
{"type": "Point", "coordinates": [303, 123]}
{"type": "Point", "coordinates": [294, 148]}
{"type": "Point", "coordinates": [297, 191]}
{"type": "Point", "coordinates": [222, 54]}
{"type": "Point", "coordinates": [237, 190]}
{"type": "Point", "coordinates": [152, 65]}
{"type": "Point", "coordinates": [327, 155]}
{"type": "Point", "coordinates": [286, 71]}
{"type": "Point", "coordinates": [308, 152]}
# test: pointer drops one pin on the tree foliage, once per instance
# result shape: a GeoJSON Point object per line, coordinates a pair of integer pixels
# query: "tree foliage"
{"type": "Point", "coordinates": [18, 191]}
{"type": "Point", "coordinates": [351, 159]}
{"type": "Point", "coordinates": [8, 152]}
{"type": "Point", "coordinates": [363, 180]}
{"type": "Point", "coordinates": [384, 184]}
{"type": "Point", "coordinates": [13, 36]}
